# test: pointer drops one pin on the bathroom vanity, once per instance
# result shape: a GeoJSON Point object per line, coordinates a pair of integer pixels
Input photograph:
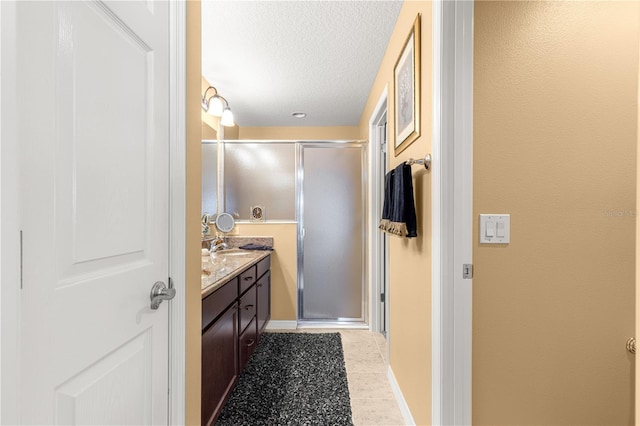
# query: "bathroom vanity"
{"type": "Point", "coordinates": [236, 306]}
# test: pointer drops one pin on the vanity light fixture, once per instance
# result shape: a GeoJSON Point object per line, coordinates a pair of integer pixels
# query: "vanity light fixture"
{"type": "Point", "coordinates": [299, 114]}
{"type": "Point", "coordinates": [227, 117]}
{"type": "Point", "coordinates": [218, 106]}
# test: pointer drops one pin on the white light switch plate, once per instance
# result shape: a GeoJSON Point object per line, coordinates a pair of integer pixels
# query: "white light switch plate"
{"type": "Point", "coordinates": [495, 229]}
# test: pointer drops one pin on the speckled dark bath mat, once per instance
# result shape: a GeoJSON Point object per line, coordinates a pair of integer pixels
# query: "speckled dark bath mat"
{"type": "Point", "coordinates": [292, 379]}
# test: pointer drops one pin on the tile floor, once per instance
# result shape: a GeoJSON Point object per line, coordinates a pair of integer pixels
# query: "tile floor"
{"type": "Point", "coordinates": [372, 399]}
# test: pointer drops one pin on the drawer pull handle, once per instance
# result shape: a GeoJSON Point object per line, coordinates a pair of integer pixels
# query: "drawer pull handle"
{"type": "Point", "coordinates": [259, 285]}
{"type": "Point", "coordinates": [250, 343]}
{"type": "Point", "coordinates": [247, 278]}
{"type": "Point", "coordinates": [248, 307]}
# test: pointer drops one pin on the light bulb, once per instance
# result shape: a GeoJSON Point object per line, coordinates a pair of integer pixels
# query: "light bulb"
{"type": "Point", "coordinates": [215, 106]}
{"type": "Point", "coordinates": [227, 118]}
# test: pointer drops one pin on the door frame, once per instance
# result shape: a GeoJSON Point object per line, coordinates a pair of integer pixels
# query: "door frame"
{"type": "Point", "coordinates": [452, 216]}
{"type": "Point", "coordinates": [376, 238]}
{"type": "Point", "coordinates": [10, 220]}
{"type": "Point", "coordinates": [636, 401]}
{"type": "Point", "coordinates": [177, 209]}
{"type": "Point", "coordinates": [300, 179]}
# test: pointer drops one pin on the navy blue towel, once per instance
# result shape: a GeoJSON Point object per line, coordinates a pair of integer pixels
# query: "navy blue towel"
{"type": "Point", "coordinates": [252, 246]}
{"type": "Point", "coordinates": [399, 210]}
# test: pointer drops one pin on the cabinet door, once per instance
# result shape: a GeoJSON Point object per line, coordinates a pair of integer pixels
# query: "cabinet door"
{"type": "Point", "coordinates": [219, 363]}
{"type": "Point", "coordinates": [263, 266]}
{"type": "Point", "coordinates": [264, 301]}
{"type": "Point", "coordinates": [247, 343]}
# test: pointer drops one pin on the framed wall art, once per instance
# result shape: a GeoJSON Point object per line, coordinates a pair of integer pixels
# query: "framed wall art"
{"type": "Point", "coordinates": [257, 214]}
{"type": "Point", "coordinates": [407, 91]}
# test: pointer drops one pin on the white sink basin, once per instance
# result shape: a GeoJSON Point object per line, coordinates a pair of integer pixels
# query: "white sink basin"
{"type": "Point", "coordinates": [234, 253]}
{"type": "Point", "coordinates": [231, 252]}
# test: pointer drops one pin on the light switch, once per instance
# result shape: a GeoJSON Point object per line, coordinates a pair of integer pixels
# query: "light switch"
{"type": "Point", "coordinates": [495, 229]}
{"type": "Point", "coordinates": [490, 230]}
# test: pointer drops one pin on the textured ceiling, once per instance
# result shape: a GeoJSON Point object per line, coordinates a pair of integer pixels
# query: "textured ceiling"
{"type": "Point", "coordinates": [272, 58]}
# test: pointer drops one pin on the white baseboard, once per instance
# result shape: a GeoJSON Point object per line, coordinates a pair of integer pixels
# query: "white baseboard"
{"type": "Point", "coordinates": [281, 325]}
{"type": "Point", "coordinates": [402, 404]}
{"type": "Point", "coordinates": [333, 325]}
{"type": "Point", "coordinates": [294, 325]}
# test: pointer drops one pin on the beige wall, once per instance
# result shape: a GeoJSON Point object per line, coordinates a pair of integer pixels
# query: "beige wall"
{"type": "Point", "coordinates": [208, 133]}
{"type": "Point", "coordinates": [300, 133]}
{"type": "Point", "coordinates": [193, 209]}
{"type": "Point", "coordinates": [555, 134]}
{"type": "Point", "coordinates": [410, 259]}
{"type": "Point", "coordinates": [284, 269]}
{"type": "Point", "coordinates": [637, 283]}
{"type": "Point", "coordinates": [231, 133]}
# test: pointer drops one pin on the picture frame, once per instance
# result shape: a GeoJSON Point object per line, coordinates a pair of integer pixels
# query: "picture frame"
{"type": "Point", "coordinates": [257, 214]}
{"type": "Point", "coordinates": [406, 87]}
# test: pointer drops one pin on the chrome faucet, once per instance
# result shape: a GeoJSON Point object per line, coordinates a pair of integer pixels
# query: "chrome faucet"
{"type": "Point", "coordinates": [205, 224]}
{"type": "Point", "coordinates": [217, 244]}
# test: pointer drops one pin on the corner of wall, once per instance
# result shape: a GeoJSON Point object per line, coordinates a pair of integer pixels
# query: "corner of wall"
{"type": "Point", "coordinates": [193, 209]}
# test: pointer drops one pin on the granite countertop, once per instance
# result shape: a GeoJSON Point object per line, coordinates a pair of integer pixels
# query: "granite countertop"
{"type": "Point", "coordinates": [222, 266]}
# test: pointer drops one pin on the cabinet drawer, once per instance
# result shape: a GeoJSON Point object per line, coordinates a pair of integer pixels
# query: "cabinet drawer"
{"type": "Point", "coordinates": [214, 304]}
{"type": "Point", "coordinates": [263, 266]}
{"type": "Point", "coordinates": [247, 308]}
{"type": "Point", "coordinates": [248, 341]}
{"type": "Point", "coordinates": [247, 278]}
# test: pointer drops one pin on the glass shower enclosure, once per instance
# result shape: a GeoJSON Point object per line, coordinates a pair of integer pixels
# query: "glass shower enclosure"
{"type": "Point", "coordinates": [318, 185]}
{"type": "Point", "coordinates": [331, 232]}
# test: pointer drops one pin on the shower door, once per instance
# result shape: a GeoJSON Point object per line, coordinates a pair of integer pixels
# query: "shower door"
{"type": "Point", "coordinates": [331, 232]}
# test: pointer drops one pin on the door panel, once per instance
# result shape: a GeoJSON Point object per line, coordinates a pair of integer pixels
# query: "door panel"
{"type": "Point", "coordinates": [333, 222]}
{"type": "Point", "coordinates": [103, 168]}
{"type": "Point", "coordinates": [111, 391]}
{"type": "Point", "coordinates": [110, 164]}
{"type": "Point", "coordinates": [95, 177]}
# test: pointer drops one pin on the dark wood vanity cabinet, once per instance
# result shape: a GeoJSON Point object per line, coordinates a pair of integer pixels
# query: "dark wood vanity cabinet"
{"type": "Point", "coordinates": [219, 363]}
{"type": "Point", "coordinates": [233, 317]}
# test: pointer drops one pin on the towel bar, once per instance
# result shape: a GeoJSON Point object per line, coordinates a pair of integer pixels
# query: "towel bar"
{"type": "Point", "coordinates": [426, 161]}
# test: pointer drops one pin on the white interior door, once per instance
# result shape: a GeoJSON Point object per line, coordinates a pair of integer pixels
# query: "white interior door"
{"type": "Point", "coordinates": [93, 114]}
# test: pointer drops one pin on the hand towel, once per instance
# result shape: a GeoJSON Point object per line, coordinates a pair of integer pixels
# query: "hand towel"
{"type": "Point", "coordinates": [399, 211]}
{"type": "Point", "coordinates": [252, 246]}
{"type": "Point", "coordinates": [386, 207]}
